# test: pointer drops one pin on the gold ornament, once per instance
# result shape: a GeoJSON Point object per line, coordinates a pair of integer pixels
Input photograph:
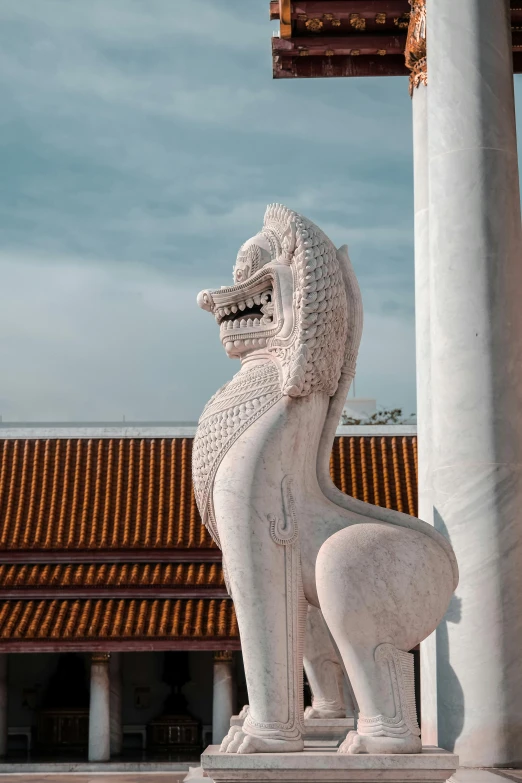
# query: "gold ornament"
{"type": "Point", "coordinates": [402, 21]}
{"type": "Point", "coordinates": [314, 25]}
{"type": "Point", "coordinates": [358, 22]}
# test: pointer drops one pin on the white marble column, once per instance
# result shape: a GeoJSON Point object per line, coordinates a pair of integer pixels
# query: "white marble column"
{"type": "Point", "coordinates": [3, 703]}
{"type": "Point", "coordinates": [99, 708]}
{"type": "Point", "coordinates": [223, 695]}
{"type": "Point", "coordinates": [428, 658]}
{"type": "Point", "coordinates": [476, 374]}
{"type": "Point", "coordinates": [116, 718]}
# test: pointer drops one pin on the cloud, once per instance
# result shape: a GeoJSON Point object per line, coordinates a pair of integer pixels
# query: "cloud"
{"type": "Point", "coordinates": [141, 142]}
{"type": "Point", "coordinates": [82, 337]}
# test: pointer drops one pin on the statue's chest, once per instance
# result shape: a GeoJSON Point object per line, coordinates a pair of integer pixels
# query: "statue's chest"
{"type": "Point", "coordinates": [226, 416]}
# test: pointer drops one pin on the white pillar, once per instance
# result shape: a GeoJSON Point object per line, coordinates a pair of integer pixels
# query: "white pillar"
{"type": "Point", "coordinates": [223, 696]}
{"type": "Point", "coordinates": [116, 684]}
{"type": "Point", "coordinates": [428, 659]}
{"type": "Point", "coordinates": [99, 709]}
{"type": "Point", "coordinates": [3, 704]}
{"type": "Point", "coordinates": [476, 329]}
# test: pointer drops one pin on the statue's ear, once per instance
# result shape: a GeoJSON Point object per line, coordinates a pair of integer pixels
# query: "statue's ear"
{"type": "Point", "coordinates": [343, 252]}
{"type": "Point", "coordinates": [288, 243]}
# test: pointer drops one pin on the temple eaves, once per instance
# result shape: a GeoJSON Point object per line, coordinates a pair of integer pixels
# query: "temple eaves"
{"type": "Point", "coordinates": [327, 38]}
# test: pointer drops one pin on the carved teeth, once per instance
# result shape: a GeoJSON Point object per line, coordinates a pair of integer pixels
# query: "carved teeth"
{"type": "Point", "coordinates": [250, 302]}
{"type": "Point", "coordinates": [229, 346]}
{"type": "Point", "coordinates": [227, 310]}
{"type": "Point", "coordinates": [233, 308]}
{"type": "Point", "coordinates": [250, 322]}
{"type": "Point", "coordinates": [262, 342]}
{"type": "Point", "coordinates": [243, 323]}
{"type": "Point", "coordinates": [236, 324]}
{"type": "Point", "coordinates": [257, 299]}
{"type": "Point", "coordinates": [257, 322]}
{"type": "Point", "coordinates": [241, 305]}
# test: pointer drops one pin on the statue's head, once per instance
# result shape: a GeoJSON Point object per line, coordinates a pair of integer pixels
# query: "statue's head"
{"type": "Point", "coordinates": [287, 302]}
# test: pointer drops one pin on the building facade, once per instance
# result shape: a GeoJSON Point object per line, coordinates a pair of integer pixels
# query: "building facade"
{"type": "Point", "coordinates": [117, 634]}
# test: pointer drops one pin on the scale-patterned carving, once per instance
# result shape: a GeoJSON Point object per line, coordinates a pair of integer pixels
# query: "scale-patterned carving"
{"type": "Point", "coordinates": [228, 413]}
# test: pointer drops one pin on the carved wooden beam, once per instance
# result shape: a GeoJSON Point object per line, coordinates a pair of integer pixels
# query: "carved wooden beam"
{"type": "Point", "coordinates": [342, 9]}
{"type": "Point", "coordinates": [353, 45]}
{"type": "Point", "coordinates": [117, 645]}
{"type": "Point", "coordinates": [294, 67]}
{"type": "Point", "coordinates": [113, 556]}
{"type": "Point", "coordinates": [342, 38]}
{"type": "Point", "coordinates": [139, 592]}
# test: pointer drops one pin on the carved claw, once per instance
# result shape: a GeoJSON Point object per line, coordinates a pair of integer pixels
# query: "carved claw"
{"type": "Point", "coordinates": [357, 745]}
{"type": "Point", "coordinates": [237, 741]}
{"type": "Point", "coordinates": [224, 747]}
{"type": "Point", "coordinates": [344, 747]}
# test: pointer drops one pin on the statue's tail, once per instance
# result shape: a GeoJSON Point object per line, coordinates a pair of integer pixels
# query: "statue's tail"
{"type": "Point", "coordinates": [375, 513]}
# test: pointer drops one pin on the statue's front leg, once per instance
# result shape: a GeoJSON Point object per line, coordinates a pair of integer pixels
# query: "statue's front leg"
{"type": "Point", "coordinates": [265, 581]}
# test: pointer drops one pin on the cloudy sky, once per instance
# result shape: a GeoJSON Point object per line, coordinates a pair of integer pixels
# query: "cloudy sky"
{"type": "Point", "coordinates": [140, 143]}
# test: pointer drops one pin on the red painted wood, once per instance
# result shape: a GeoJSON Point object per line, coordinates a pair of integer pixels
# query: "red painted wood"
{"type": "Point", "coordinates": [123, 645]}
{"type": "Point", "coordinates": [318, 45]}
{"type": "Point", "coordinates": [141, 593]}
{"type": "Point", "coordinates": [342, 9]}
{"type": "Point", "coordinates": [112, 556]}
{"type": "Point", "coordinates": [327, 67]}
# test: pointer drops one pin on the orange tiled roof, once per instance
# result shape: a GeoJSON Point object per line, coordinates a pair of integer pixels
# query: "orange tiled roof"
{"type": "Point", "coordinates": [126, 494]}
{"type": "Point", "coordinates": [98, 494]}
{"type": "Point", "coordinates": [111, 575]}
{"type": "Point", "coordinates": [379, 470]}
{"type": "Point", "coordinates": [117, 620]}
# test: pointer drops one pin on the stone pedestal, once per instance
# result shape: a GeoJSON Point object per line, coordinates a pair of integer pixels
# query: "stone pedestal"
{"type": "Point", "coordinates": [476, 374]}
{"type": "Point", "coordinates": [326, 732]}
{"type": "Point", "coordinates": [433, 765]}
{"type": "Point", "coordinates": [223, 695]}
{"type": "Point", "coordinates": [99, 708]}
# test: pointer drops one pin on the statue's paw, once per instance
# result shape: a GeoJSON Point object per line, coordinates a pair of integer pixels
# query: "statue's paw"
{"type": "Point", "coordinates": [225, 745]}
{"type": "Point", "coordinates": [234, 741]}
{"type": "Point", "coordinates": [360, 743]}
{"type": "Point", "coordinates": [357, 745]}
{"type": "Point", "coordinates": [344, 747]}
{"type": "Point", "coordinates": [312, 712]}
{"type": "Point", "coordinates": [252, 744]}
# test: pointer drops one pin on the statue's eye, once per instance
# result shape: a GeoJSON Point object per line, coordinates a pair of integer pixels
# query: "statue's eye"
{"type": "Point", "coordinates": [239, 275]}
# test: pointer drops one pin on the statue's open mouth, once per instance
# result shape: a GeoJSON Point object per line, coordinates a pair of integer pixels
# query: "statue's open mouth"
{"type": "Point", "coordinates": [247, 313]}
